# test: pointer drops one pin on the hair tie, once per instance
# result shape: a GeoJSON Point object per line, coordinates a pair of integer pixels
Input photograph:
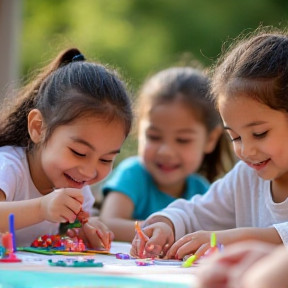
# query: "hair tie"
{"type": "Point", "coordinates": [78, 57]}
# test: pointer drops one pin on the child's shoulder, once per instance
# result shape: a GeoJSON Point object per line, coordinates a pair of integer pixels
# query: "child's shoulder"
{"type": "Point", "coordinates": [12, 154]}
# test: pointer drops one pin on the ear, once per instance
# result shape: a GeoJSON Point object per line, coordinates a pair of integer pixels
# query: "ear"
{"type": "Point", "coordinates": [213, 138]}
{"type": "Point", "coordinates": [35, 122]}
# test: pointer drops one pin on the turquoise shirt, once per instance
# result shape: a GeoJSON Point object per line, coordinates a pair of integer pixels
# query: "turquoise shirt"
{"type": "Point", "coordinates": [132, 179]}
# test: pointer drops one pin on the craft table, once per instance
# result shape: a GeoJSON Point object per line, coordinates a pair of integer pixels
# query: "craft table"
{"type": "Point", "coordinates": [34, 271]}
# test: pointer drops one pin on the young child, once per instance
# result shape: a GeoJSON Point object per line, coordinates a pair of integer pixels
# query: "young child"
{"type": "Point", "coordinates": [245, 264]}
{"type": "Point", "coordinates": [251, 92]}
{"type": "Point", "coordinates": [181, 144]}
{"type": "Point", "coordinates": [61, 136]}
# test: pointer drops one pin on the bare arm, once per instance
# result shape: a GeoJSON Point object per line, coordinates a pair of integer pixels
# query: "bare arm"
{"type": "Point", "coordinates": [59, 206]}
{"type": "Point", "coordinates": [116, 213]}
{"type": "Point", "coordinates": [26, 212]}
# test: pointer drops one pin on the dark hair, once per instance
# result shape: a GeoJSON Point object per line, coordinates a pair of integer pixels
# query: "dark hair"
{"type": "Point", "coordinates": [63, 91]}
{"type": "Point", "coordinates": [190, 86]}
{"type": "Point", "coordinates": [255, 66]}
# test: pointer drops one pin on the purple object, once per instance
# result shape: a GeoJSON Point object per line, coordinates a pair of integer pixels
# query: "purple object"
{"type": "Point", "coordinates": [122, 256]}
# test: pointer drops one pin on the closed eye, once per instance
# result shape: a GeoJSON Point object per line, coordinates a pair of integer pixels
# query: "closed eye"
{"type": "Point", "coordinates": [261, 135]}
{"type": "Point", "coordinates": [236, 139]}
{"type": "Point", "coordinates": [183, 141]}
{"type": "Point", "coordinates": [153, 138]}
{"type": "Point", "coordinates": [106, 161]}
{"type": "Point", "coordinates": [78, 154]}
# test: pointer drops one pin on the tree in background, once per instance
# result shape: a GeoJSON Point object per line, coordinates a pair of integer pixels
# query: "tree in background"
{"type": "Point", "coordinates": [140, 37]}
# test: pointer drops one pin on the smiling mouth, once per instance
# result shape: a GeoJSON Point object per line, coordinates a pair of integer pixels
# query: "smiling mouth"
{"type": "Point", "coordinates": [78, 182]}
{"type": "Point", "coordinates": [260, 163]}
{"type": "Point", "coordinates": [167, 167]}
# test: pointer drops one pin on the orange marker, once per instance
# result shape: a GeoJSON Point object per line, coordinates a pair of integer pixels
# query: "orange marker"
{"type": "Point", "coordinates": [140, 232]}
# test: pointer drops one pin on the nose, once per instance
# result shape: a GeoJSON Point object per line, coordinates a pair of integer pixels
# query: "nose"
{"type": "Point", "coordinates": [165, 149]}
{"type": "Point", "coordinates": [247, 150]}
{"type": "Point", "coordinates": [88, 172]}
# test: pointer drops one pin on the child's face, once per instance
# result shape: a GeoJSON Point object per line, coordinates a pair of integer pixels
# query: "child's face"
{"type": "Point", "coordinates": [78, 154]}
{"type": "Point", "coordinates": [172, 143]}
{"type": "Point", "coordinates": [259, 135]}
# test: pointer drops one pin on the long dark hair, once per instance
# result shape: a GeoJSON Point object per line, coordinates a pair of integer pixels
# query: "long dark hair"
{"type": "Point", "coordinates": [256, 66]}
{"type": "Point", "coordinates": [63, 91]}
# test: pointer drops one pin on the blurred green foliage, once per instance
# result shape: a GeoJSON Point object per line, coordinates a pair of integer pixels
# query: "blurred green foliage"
{"type": "Point", "coordinates": [140, 37]}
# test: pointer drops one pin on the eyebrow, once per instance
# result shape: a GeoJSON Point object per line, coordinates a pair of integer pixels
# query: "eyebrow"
{"type": "Point", "coordinates": [84, 142]}
{"type": "Point", "coordinates": [256, 123]}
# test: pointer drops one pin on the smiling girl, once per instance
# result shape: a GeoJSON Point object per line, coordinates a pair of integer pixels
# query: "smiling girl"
{"type": "Point", "coordinates": [62, 135]}
{"type": "Point", "coordinates": [250, 86]}
{"type": "Point", "coordinates": [181, 145]}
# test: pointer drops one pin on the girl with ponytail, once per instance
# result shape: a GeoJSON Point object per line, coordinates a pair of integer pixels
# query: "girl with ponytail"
{"type": "Point", "coordinates": [61, 135]}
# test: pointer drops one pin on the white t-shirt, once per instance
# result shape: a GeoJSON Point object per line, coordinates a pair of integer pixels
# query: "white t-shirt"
{"type": "Point", "coordinates": [240, 199]}
{"type": "Point", "coordinates": [16, 183]}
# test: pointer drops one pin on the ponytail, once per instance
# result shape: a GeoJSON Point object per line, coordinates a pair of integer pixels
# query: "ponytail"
{"type": "Point", "coordinates": [97, 91]}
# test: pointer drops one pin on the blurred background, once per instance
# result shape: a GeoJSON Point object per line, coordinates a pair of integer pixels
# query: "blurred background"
{"type": "Point", "coordinates": [137, 37]}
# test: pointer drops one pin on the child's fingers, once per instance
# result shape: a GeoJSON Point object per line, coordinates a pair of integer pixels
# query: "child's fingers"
{"type": "Point", "coordinates": [180, 248]}
{"type": "Point", "coordinates": [152, 250]}
{"type": "Point", "coordinates": [73, 204]}
{"type": "Point", "coordinates": [202, 250]}
{"type": "Point", "coordinates": [190, 243]}
{"type": "Point", "coordinates": [269, 271]}
{"type": "Point", "coordinates": [236, 260]}
{"type": "Point", "coordinates": [159, 239]}
{"type": "Point", "coordinates": [74, 193]}
{"type": "Point", "coordinates": [166, 249]}
{"type": "Point", "coordinates": [243, 266]}
{"type": "Point", "coordinates": [134, 247]}
{"type": "Point", "coordinates": [73, 232]}
{"type": "Point", "coordinates": [138, 246]}
{"type": "Point", "coordinates": [111, 235]}
{"type": "Point", "coordinates": [70, 233]}
{"type": "Point", "coordinates": [68, 214]}
{"type": "Point", "coordinates": [62, 220]}
{"type": "Point", "coordinates": [92, 236]}
{"type": "Point", "coordinates": [104, 237]}
{"type": "Point", "coordinates": [213, 278]}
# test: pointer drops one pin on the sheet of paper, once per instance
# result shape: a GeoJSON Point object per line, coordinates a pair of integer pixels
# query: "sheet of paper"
{"type": "Point", "coordinates": [171, 276]}
{"type": "Point", "coordinates": [32, 279]}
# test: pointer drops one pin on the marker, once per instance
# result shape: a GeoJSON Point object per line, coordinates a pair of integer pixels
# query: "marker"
{"type": "Point", "coordinates": [140, 232]}
{"type": "Point", "coordinates": [12, 231]}
{"type": "Point", "coordinates": [213, 242]}
{"type": "Point", "coordinates": [189, 261]}
{"type": "Point", "coordinates": [213, 245]}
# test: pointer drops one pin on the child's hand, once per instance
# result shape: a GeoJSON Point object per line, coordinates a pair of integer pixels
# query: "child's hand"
{"type": "Point", "coordinates": [94, 234]}
{"type": "Point", "coordinates": [161, 238]}
{"type": "Point", "coordinates": [199, 242]}
{"type": "Point", "coordinates": [61, 205]}
{"type": "Point", "coordinates": [227, 269]}
{"type": "Point", "coordinates": [269, 271]}
{"type": "Point", "coordinates": [194, 243]}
